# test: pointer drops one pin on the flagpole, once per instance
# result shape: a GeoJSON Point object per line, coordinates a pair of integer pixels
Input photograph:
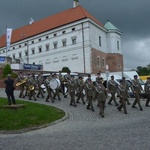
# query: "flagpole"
{"type": "Point", "coordinates": [6, 40]}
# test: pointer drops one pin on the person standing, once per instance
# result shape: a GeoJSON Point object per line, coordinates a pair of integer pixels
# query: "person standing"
{"type": "Point", "coordinates": [112, 88]}
{"type": "Point", "coordinates": [136, 88]}
{"type": "Point", "coordinates": [101, 95]}
{"type": "Point", "coordinates": [9, 89]}
{"type": "Point", "coordinates": [147, 91]}
{"type": "Point", "coordinates": [123, 96]}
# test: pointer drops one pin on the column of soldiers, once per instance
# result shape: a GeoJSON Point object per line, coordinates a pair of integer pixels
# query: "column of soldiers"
{"type": "Point", "coordinates": [87, 91]}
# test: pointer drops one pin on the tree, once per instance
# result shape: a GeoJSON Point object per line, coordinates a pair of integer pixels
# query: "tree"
{"type": "Point", "coordinates": [6, 70]}
{"type": "Point", "coordinates": [66, 69]}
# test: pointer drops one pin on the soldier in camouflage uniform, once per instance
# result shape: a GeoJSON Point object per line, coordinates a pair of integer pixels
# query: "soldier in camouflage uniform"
{"type": "Point", "coordinates": [89, 92]}
{"type": "Point", "coordinates": [136, 88]}
{"type": "Point", "coordinates": [72, 90]}
{"type": "Point", "coordinates": [40, 81]}
{"type": "Point", "coordinates": [101, 95]}
{"type": "Point", "coordinates": [49, 90]}
{"type": "Point", "coordinates": [32, 82]}
{"type": "Point", "coordinates": [125, 83]}
{"type": "Point", "coordinates": [147, 91]}
{"type": "Point", "coordinates": [20, 78]}
{"type": "Point", "coordinates": [123, 96]}
{"type": "Point", "coordinates": [56, 93]}
{"type": "Point", "coordinates": [80, 88]}
{"type": "Point", "coordinates": [112, 88]}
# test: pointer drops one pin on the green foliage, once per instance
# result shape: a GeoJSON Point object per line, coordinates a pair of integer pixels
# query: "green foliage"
{"type": "Point", "coordinates": [31, 115]}
{"type": "Point", "coordinates": [143, 71]}
{"type": "Point", "coordinates": [6, 70]}
{"type": "Point", "coordinates": [66, 69]}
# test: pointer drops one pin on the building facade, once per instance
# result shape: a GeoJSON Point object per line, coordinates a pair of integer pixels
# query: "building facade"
{"type": "Point", "coordinates": [72, 38]}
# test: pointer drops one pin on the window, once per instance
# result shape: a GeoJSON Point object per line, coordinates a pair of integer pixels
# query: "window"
{"type": "Point", "coordinates": [100, 43]}
{"type": "Point", "coordinates": [39, 39]}
{"type": "Point", "coordinates": [13, 56]}
{"type": "Point", "coordinates": [64, 43]}
{"type": "Point", "coordinates": [32, 42]}
{"type": "Point", "coordinates": [47, 47]}
{"type": "Point", "coordinates": [118, 47]}
{"type": "Point", "coordinates": [103, 63]}
{"type": "Point", "coordinates": [63, 32]}
{"type": "Point", "coordinates": [13, 47]}
{"type": "Point", "coordinates": [55, 45]}
{"type": "Point", "coordinates": [47, 37]}
{"type": "Point", "coordinates": [40, 49]}
{"type": "Point", "coordinates": [73, 29]}
{"type": "Point", "coordinates": [25, 44]}
{"type": "Point", "coordinates": [20, 55]}
{"type": "Point", "coordinates": [33, 51]}
{"type": "Point", "coordinates": [74, 39]}
{"type": "Point", "coordinates": [26, 53]}
{"type": "Point", "coordinates": [98, 62]}
{"type": "Point", "coordinates": [19, 46]}
{"type": "Point", "coordinates": [55, 34]}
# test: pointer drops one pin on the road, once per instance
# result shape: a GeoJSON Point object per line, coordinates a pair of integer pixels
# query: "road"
{"type": "Point", "coordinates": [86, 130]}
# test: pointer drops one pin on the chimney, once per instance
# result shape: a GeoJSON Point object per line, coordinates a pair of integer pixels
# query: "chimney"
{"type": "Point", "coordinates": [75, 3]}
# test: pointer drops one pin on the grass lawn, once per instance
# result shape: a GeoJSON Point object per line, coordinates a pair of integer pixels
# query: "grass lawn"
{"type": "Point", "coordinates": [30, 115]}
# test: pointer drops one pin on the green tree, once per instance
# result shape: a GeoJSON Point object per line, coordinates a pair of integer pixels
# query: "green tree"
{"type": "Point", "coordinates": [66, 69]}
{"type": "Point", "coordinates": [6, 70]}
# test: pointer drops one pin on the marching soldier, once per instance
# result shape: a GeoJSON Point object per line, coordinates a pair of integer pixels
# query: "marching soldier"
{"type": "Point", "coordinates": [80, 88]}
{"type": "Point", "coordinates": [49, 90]}
{"type": "Point", "coordinates": [62, 88]}
{"type": "Point", "coordinates": [112, 88]}
{"type": "Point", "coordinates": [32, 84]}
{"type": "Point", "coordinates": [98, 78]}
{"type": "Point", "coordinates": [67, 78]}
{"type": "Point", "coordinates": [20, 78]}
{"type": "Point", "coordinates": [27, 85]}
{"type": "Point", "coordinates": [123, 96]}
{"type": "Point", "coordinates": [57, 89]}
{"type": "Point", "coordinates": [89, 88]}
{"type": "Point", "coordinates": [71, 90]}
{"type": "Point", "coordinates": [147, 91]}
{"type": "Point", "coordinates": [40, 81]}
{"type": "Point", "coordinates": [125, 83]}
{"type": "Point", "coordinates": [136, 88]}
{"type": "Point", "coordinates": [101, 95]}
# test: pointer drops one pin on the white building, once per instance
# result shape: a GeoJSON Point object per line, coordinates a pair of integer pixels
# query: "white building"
{"type": "Point", "coordinates": [72, 38]}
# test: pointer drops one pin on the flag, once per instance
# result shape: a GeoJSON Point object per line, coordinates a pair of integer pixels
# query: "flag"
{"type": "Point", "coordinates": [8, 38]}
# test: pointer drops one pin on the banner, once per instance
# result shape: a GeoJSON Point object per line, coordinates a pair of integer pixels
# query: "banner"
{"type": "Point", "coordinates": [32, 67]}
{"type": "Point", "coordinates": [8, 38]}
{"type": "Point", "coordinates": [2, 59]}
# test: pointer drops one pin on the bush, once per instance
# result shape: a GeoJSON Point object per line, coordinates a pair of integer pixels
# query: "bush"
{"type": "Point", "coordinates": [6, 70]}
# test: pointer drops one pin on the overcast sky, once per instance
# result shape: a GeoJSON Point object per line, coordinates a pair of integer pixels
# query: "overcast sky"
{"type": "Point", "coordinates": [130, 16]}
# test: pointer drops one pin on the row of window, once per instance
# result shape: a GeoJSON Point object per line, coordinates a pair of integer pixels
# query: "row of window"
{"type": "Point", "coordinates": [47, 47]}
{"type": "Point", "coordinates": [47, 37]}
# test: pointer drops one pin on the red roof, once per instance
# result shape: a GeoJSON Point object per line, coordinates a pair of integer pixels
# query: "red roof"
{"type": "Point", "coordinates": [49, 23]}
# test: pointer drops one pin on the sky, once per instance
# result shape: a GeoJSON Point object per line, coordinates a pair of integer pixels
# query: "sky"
{"type": "Point", "coordinates": [131, 17]}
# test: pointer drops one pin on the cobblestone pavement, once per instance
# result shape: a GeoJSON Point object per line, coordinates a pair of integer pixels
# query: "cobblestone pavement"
{"type": "Point", "coordinates": [86, 130]}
